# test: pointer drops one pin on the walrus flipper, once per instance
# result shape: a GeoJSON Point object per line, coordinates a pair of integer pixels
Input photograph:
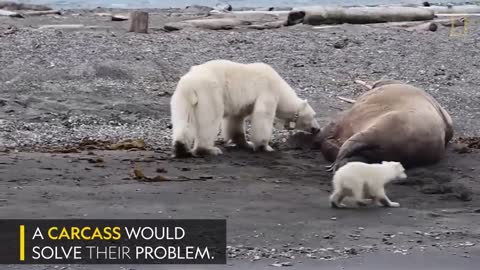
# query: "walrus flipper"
{"type": "Point", "coordinates": [356, 148]}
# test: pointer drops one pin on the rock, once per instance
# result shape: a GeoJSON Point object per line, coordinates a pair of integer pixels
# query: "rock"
{"type": "Point", "coordinates": [341, 43]}
{"type": "Point", "coordinates": [198, 9]}
{"type": "Point", "coordinates": [462, 193]}
{"type": "Point", "coordinates": [118, 18]}
{"type": "Point", "coordinates": [461, 148]}
{"type": "Point", "coordinates": [436, 189]}
{"type": "Point", "coordinates": [224, 7]}
{"type": "Point", "coordinates": [282, 264]}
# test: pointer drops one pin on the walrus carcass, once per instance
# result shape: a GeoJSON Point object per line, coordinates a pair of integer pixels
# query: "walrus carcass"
{"type": "Point", "coordinates": [393, 121]}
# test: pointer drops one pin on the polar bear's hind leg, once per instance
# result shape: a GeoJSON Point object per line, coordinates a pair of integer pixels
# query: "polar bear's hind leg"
{"type": "Point", "coordinates": [208, 112]}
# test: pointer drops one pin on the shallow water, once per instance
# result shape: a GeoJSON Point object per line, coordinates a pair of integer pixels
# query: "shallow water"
{"type": "Point", "coordinates": [234, 3]}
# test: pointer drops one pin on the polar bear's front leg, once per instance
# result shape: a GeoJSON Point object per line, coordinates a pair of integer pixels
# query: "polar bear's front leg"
{"type": "Point", "coordinates": [233, 130]}
{"type": "Point", "coordinates": [262, 124]}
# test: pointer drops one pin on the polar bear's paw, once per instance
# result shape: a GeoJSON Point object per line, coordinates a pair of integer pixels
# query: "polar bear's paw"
{"type": "Point", "coordinates": [245, 145]}
{"type": "Point", "coordinates": [212, 151]}
{"type": "Point", "coordinates": [263, 148]}
{"type": "Point", "coordinates": [394, 204]}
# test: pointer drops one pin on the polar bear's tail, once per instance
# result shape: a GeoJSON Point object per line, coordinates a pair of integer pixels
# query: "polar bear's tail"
{"type": "Point", "coordinates": [183, 121]}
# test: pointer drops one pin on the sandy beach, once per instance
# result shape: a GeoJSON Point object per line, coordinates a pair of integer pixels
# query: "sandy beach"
{"type": "Point", "coordinates": [64, 90]}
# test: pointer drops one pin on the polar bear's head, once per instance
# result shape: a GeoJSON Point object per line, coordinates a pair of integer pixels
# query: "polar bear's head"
{"type": "Point", "coordinates": [305, 118]}
{"type": "Point", "coordinates": [396, 168]}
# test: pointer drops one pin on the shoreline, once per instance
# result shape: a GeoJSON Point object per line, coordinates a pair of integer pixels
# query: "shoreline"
{"type": "Point", "coordinates": [256, 7]}
{"type": "Point", "coordinates": [246, 8]}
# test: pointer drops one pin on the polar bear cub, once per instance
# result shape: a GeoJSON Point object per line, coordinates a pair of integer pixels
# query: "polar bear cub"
{"type": "Point", "coordinates": [222, 93]}
{"type": "Point", "coordinates": [364, 181]}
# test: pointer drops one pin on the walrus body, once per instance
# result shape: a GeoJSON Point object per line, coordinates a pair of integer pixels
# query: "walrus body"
{"type": "Point", "coordinates": [391, 122]}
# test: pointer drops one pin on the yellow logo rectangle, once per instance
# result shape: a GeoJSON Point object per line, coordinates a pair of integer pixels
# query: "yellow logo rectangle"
{"type": "Point", "coordinates": [22, 242]}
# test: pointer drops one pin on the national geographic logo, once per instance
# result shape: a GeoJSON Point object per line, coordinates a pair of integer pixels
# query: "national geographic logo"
{"type": "Point", "coordinates": [457, 22]}
{"type": "Point", "coordinates": [113, 241]}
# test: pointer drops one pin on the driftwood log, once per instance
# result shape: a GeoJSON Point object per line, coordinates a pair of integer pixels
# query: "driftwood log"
{"type": "Point", "coordinates": [464, 9]}
{"type": "Point", "coordinates": [9, 13]}
{"type": "Point", "coordinates": [41, 13]}
{"type": "Point", "coordinates": [8, 5]}
{"type": "Point", "coordinates": [357, 15]}
{"type": "Point", "coordinates": [119, 18]}
{"type": "Point", "coordinates": [268, 25]}
{"type": "Point", "coordinates": [138, 22]}
{"type": "Point", "coordinates": [208, 24]}
{"type": "Point", "coordinates": [454, 23]}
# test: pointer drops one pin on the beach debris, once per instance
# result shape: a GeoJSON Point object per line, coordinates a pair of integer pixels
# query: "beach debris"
{"type": "Point", "coordinates": [9, 13]}
{"type": "Point", "coordinates": [282, 264]}
{"type": "Point", "coordinates": [340, 44]}
{"type": "Point", "coordinates": [65, 150]}
{"type": "Point", "coordinates": [138, 22]}
{"type": "Point", "coordinates": [223, 7]}
{"type": "Point", "coordinates": [62, 26]}
{"type": "Point", "coordinates": [138, 174]}
{"type": "Point", "coordinates": [209, 24]}
{"type": "Point", "coordinates": [369, 87]}
{"type": "Point", "coordinates": [95, 160]}
{"type": "Point", "coordinates": [428, 26]}
{"type": "Point", "coordinates": [452, 22]}
{"type": "Point", "coordinates": [470, 142]}
{"type": "Point", "coordinates": [40, 13]}
{"type": "Point", "coordinates": [268, 25]}
{"type": "Point", "coordinates": [346, 99]}
{"type": "Point", "coordinates": [9, 5]}
{"type": "Point", "coordinates": [461, 148]}
{"type": "Point", "coordinates": [197, 9]}
{"type": "Point", "coordinates": [449, 10]}
{"type": "Point", "coordinates": [319, 15]}
{"type": "Point", "coordinates": [119, 18]}
{"type": "Point", "coordinates": [87, 144]}
{"type": "Point", "coordinates": [128, 144]}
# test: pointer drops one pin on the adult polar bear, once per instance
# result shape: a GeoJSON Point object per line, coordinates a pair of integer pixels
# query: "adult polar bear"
{"type": "Point", "coordinates": [222, 89]}
{"type": "Point", "coordinates": [393, 121]}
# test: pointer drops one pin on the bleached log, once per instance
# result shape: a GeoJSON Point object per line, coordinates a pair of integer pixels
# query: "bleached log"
{"type": "Point", "coordinates": [9, 13]}
{"type": "Point", "coordinates": [463, 9]}
{"type": "Point", "coordinates": [428, 26]}
{"type": "Point", "coordinates": [41, 13]}
{"type": "Point", "coordinates": [346, 99]}
{"type": "Point", "coordinates": [209, 24]}
{"type": "Point", "coordinates": [357, 15]}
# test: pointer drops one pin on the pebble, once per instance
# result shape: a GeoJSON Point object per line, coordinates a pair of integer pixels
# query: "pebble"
{"type": "Point", "coordinates": [282, 264]}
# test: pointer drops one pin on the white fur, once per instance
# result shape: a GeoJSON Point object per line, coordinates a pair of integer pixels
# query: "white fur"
{"type": "Point", "coordinates": [364, 181]}
{"type": "Point", "coordinates": [224, 90]}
